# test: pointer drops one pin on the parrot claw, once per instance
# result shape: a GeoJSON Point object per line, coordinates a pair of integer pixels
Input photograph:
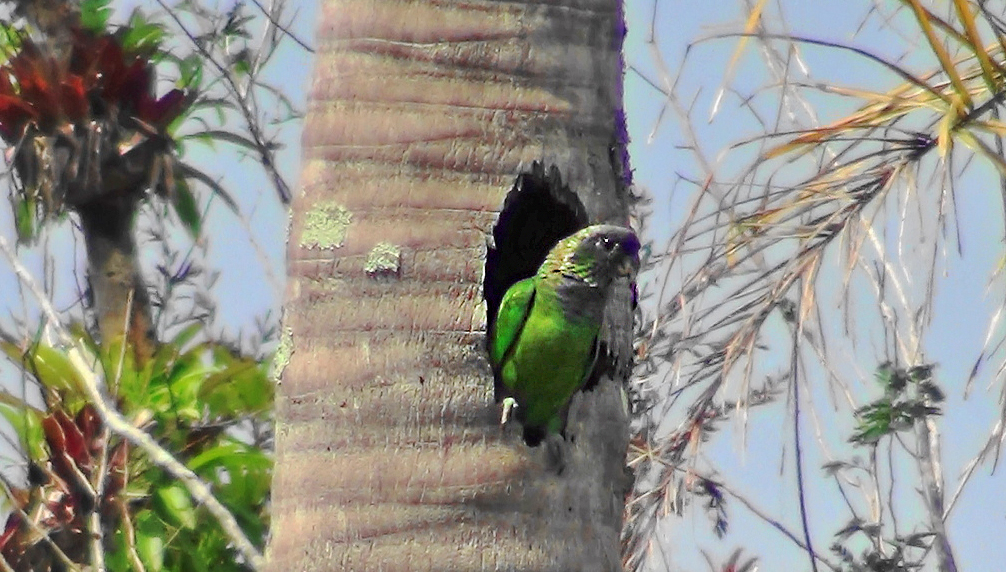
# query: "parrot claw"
{"type": "Point", "coordinates": [508, 404]}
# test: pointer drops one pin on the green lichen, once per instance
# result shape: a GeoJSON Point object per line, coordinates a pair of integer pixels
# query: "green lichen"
{"type": "Point", "coordinates": [384, 259]}
{"type": "Point", "coordinates": [325, 226]}
{"type": "Point", "coordinates": [284, 351]}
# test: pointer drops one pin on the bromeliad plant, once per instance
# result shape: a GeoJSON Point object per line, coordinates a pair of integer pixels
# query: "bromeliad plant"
{"type": "Point", "coordinates": [198, 400]}
{"type": "Point", "coordinates": [93, 129]}
{"type": "Point", "coordinates": [88, 134]}
{"type": "Point", "coordinates": [80, 476]}
{"type": "Point", "coordinates": [88, 127]}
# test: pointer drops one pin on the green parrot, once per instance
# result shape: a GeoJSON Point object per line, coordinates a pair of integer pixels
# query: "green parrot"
{"type": "Point", "coordinates": [543, 339]}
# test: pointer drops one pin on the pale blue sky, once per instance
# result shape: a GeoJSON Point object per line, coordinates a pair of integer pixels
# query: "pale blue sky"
{"type": "Point", "coordinates": [963, 306]}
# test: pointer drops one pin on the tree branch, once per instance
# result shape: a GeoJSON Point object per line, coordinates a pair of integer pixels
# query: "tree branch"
{"type": "Point", "coordinates": [199, 490]}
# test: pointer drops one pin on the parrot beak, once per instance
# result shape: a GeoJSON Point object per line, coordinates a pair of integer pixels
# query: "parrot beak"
{"type": "Point", "coordinates": [629, 267]}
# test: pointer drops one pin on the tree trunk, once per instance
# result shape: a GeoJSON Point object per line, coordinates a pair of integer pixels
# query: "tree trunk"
{"type": "Point", "coordinates": [121, 303]}
{"type": "Point", "coordinates": [389, 450]}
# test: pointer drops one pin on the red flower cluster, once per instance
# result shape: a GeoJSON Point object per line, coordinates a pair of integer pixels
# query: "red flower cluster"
{"type": "Point", "coordinates": [67, 486]}
{"type": "Point", "coordinates": [99, 76]}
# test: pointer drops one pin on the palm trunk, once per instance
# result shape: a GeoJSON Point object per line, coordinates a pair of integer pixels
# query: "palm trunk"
{"type": "Point", "coordinates": [121, 303]}
{"type": "Point", "coordinates": [389, 452]}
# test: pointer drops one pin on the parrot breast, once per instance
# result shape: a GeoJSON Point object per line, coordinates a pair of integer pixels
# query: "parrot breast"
{"type": "Point", "coordinates": [553, 358]}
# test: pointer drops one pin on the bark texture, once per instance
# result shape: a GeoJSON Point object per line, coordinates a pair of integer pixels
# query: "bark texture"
{"type": "Point", "coordinates": [389, 452]}
{"type": "Point", "coordinates": [121, 303]}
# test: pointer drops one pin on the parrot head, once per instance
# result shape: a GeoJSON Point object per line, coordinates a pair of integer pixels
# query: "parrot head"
{"type": "Point", "coordinates": [597, 255]}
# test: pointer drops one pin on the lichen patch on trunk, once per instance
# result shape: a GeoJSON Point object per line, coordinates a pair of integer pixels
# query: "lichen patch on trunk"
{"type": "Point", "coordinates": [326, 226]}
{"type": "Point", "coordinates": [384, 261]}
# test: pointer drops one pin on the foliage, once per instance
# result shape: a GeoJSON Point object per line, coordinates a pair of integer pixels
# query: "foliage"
{"type": "Point", "coordinates": [104, 91]}
{"type": "Point", "coordinates": [734, 563]}
{"type": "Point", "coordinates": [195, 399]}
{"type": "Point", "coordinates": [827, 248]}
{"type": "Point", "coordinates": [104, 72]}
{"type": "Point", "coordinates": [79, 474]}
{"type": "Point", "coordinates": [909, 395]}
{"type": "Point", "coordinates": [99, 114]}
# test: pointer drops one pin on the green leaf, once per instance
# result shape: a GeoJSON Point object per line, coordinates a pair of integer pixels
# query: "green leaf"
{"type": "Point", "coordinates": [27, 424]}
{"type": "Point", "coordinates": [24, 220]}
{"type": "Point", "coordinates": [190, 72]}
{"type": "Point", "coordinates": [874, 422]}
{"type": "Point", "coordinates": [233, 455]}
{"type": "Point", "coordinates": [174, 505]}
{"type": "Point", "coordinates": [869, 435]}
{"type": "Point", "coordinates": [186, 207]}
{"type": "Point", "coordinates": [211, 456]}
{"type": "Point", "coordinates": [141, 34]}
{"type": "Point", "coordinates": [51, 367]}
{"type": "Point", "coordinates": [184, 170]}
{"type": "Point", "coordinates": [236, 24]}
{"type": "Point", "coordinates": [115, 558]}
{"type": "Point", "coordinates": [80, 334]}
{"type": "Point", "coordinates": [241, 66]}
{"type": "Point", "coordinates": [10, 40]}
{"type": "Point", "coordinates": [210, 135]}
{"type": "Point", "coordinates": [150, 535]}
{"type": "Point", "coordinates": [186, 335]}
{"type": "Point", "coordinates": [218, 104]}
{"type": "Point", "coordinates": [241, 388]}
{"type": "Point", "coordinates": [151, 551]}
{"type": "Point", "coordinates": [173, 394]}
{"type": "Point", "coordinates": [94, 15]}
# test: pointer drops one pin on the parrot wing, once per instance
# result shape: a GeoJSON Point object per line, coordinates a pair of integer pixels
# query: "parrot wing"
{"type": "Point", "coordinates": [538, 211]}
{"type": "Point", "coordinates": [507, 327]}
{"type": "Point", "coordinates": [533, 436]}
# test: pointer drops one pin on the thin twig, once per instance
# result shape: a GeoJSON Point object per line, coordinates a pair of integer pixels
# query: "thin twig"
{"type": "Point", "coordinates": [129, 532]}
{"type": "Point", "coordinates": [91, 378]}
{"type": "Point", "coordinates": [285, 29]}
{"type": "Point", "coordinates": [61, 556]}
{"type": "Point", "coordinates": [778, 526]}
{"type": "Point", "coordinates": [997, 436]}
{"type": "Point", "coordinates": [96, 531]}
{"type": "Point", "coordinates": [928, 449]}
{"type": "Point", "coordinates": [797, 447]}
{"type": "Point", "coordinates": [263, 147]}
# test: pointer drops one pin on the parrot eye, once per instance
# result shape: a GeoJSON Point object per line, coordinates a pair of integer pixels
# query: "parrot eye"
{"type": "Point", "coordinates": [605, 243]}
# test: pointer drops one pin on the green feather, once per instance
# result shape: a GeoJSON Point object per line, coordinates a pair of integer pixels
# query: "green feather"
{"type": "Point", "coordinates": [511, 318]}
{"type": "Point", "coordinates": [542, 345]}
